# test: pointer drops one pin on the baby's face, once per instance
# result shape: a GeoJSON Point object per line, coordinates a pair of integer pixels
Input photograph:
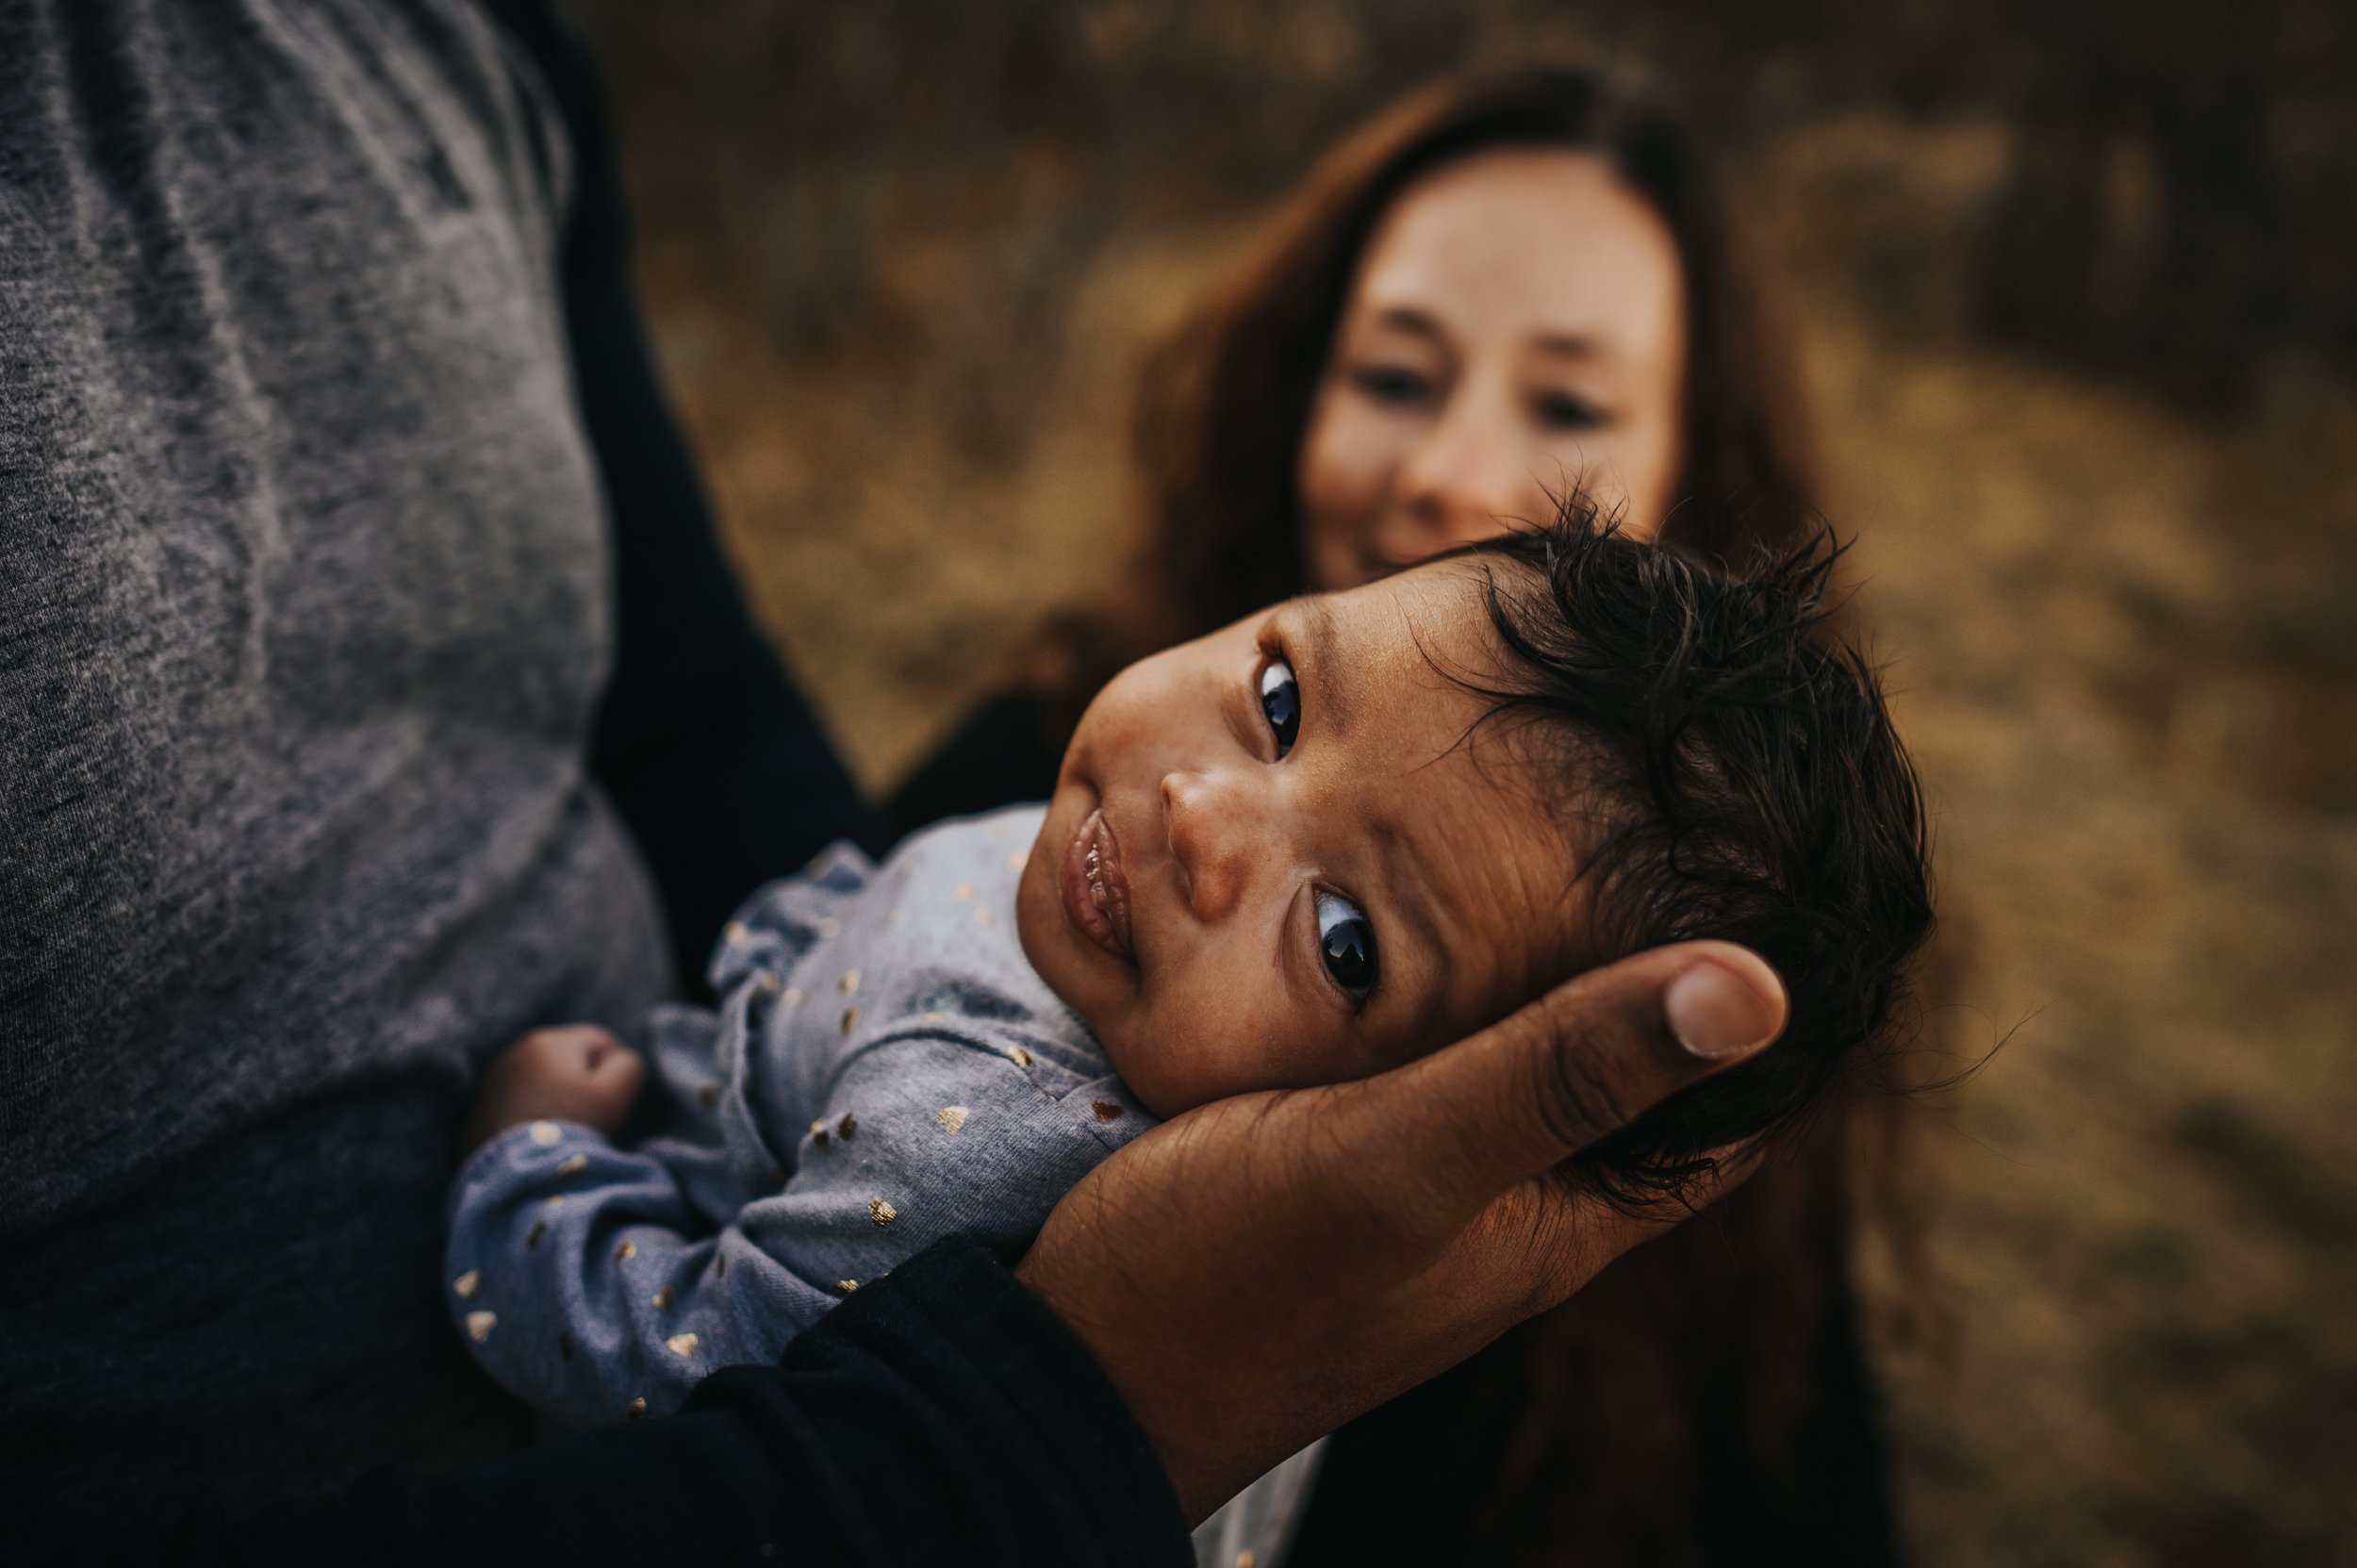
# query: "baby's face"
{"type": "Point", "coordinates": [1289, 854]}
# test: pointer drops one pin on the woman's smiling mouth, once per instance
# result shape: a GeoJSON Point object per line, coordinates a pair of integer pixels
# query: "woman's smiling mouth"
{"type": "Point", "coordinates": [1096, 894]}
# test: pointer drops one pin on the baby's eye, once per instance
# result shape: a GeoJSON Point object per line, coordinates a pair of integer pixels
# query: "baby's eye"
{"type": "Point", "coordinates": [1347, 943]}
{"type": "Point", "coordinates": [1280, 700]}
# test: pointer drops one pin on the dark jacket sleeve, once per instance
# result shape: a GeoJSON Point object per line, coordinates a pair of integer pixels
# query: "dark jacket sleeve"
{"type": "Point", "coordinates": [718, 763]}
{"type": "Point", "coordinates": [941, 1415]}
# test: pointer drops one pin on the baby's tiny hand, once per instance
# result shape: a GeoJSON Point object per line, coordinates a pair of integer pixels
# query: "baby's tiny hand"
{"type": "Point", "coordinates": [575, 1073]}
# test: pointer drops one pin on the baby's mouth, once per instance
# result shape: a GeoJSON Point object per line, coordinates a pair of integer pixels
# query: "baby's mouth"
{"type": "Point", "coordinates": [1096, 894]}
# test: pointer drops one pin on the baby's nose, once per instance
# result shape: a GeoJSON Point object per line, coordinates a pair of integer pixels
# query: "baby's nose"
{"type": "Point", "coordinates": [1217, 836]}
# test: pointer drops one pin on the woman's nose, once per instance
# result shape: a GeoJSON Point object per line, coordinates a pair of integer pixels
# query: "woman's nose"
{"type": "Point", "coordinates": [1218, 836]}
{"type": "Point", "coordinates": [1468, 478]}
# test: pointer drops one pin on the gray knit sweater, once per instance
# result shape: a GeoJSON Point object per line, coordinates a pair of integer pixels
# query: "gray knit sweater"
{"type": "Point", "coordinates": [303, 611]}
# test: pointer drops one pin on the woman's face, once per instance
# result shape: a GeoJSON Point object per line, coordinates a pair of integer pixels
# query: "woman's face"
{"type": "Point", "coordinates": [1518, 322]}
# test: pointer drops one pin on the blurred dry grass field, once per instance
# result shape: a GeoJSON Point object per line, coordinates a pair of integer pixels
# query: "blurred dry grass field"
{"type": "Point", "coordinates": [2118, 1328]}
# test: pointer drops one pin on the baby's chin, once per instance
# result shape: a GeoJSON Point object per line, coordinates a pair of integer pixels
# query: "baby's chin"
{"type": "Point", "coordinates": [1148, 1073]}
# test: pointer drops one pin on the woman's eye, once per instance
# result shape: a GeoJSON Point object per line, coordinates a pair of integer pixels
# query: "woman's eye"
{"type": "Point", "coordinates": [1280, 701]}
{"type": "Point", "coordinates": [1391, 384]}
{"type": "Point", "coordinates": [1346, 944]}
{"type": "Point", "coordinates": [1562, 411]}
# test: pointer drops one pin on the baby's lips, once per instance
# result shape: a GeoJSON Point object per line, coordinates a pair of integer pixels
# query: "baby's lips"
{"type": "Point", "coordinates": [1092, 866]}
{"type": "Point", "coordinates": [1116, 880]}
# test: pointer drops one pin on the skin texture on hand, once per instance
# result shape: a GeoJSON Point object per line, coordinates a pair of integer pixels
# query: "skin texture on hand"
{"type": "Point", "coordinates": [1262, 1269]}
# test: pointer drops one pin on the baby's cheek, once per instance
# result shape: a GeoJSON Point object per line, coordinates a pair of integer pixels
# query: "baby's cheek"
{"type": "Point", "coordinates": [1229, 1040]}
{"type": "Point", "coordinates": [1172, 1056]}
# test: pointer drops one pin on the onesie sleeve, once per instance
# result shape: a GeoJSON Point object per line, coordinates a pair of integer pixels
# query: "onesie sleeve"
{"type": "Point", "coordinates": [597, 1282]}
{"type": "Point", "coordinates": [933, 1131]}
{"type": "Point", "coordinates": [579, 1273]}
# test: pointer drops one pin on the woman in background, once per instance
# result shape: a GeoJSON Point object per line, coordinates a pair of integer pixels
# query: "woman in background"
{"type": "Point", "coordinates": [1507, 285]}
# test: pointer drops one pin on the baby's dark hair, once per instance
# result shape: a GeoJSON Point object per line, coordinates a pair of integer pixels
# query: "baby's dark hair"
{"type": "Point", "coordinates": [1732, 771]}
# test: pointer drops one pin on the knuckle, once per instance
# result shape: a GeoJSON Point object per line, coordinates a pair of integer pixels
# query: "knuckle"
{"type": "Point", "coordinates": [1568, 1246]}
{"type": "Point", "coordinates": [1575, 1094]}
{"type": "Point", "coordinates": [1535, 1226]}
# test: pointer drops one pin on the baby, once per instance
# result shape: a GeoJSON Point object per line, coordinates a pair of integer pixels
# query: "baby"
{"type": "Point", "coordinates": [1305, 848]}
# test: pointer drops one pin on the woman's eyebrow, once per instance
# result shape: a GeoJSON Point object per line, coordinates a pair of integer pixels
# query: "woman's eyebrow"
{"type": "Point", "coordinates": [1411, 319]}
{"type": "Point", "coordinates": [1570, 345]}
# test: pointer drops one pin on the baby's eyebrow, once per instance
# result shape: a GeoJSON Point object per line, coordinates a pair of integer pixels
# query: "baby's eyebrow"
{"type": "Point", "coordinates": [1411, 900]}
{"type": "Point", "coordinates": [1321, 637]}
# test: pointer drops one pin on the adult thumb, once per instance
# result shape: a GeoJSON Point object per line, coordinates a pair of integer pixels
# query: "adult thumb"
{"type": "Point", "coordinates": [1466, 1123]}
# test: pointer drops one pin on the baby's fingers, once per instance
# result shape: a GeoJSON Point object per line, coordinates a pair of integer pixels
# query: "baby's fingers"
{"type": "Point", "coordinates": [574, 1072]}
{"type": "Point", "coordinates": [564, 1049]}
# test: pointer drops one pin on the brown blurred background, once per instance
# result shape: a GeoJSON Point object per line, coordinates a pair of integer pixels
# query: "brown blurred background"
{"type": "Point", "coordinates": [2077, 291]}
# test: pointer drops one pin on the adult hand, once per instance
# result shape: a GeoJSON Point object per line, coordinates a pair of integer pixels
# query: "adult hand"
{"type": "Point", "coordinates": [1261, 1270]}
